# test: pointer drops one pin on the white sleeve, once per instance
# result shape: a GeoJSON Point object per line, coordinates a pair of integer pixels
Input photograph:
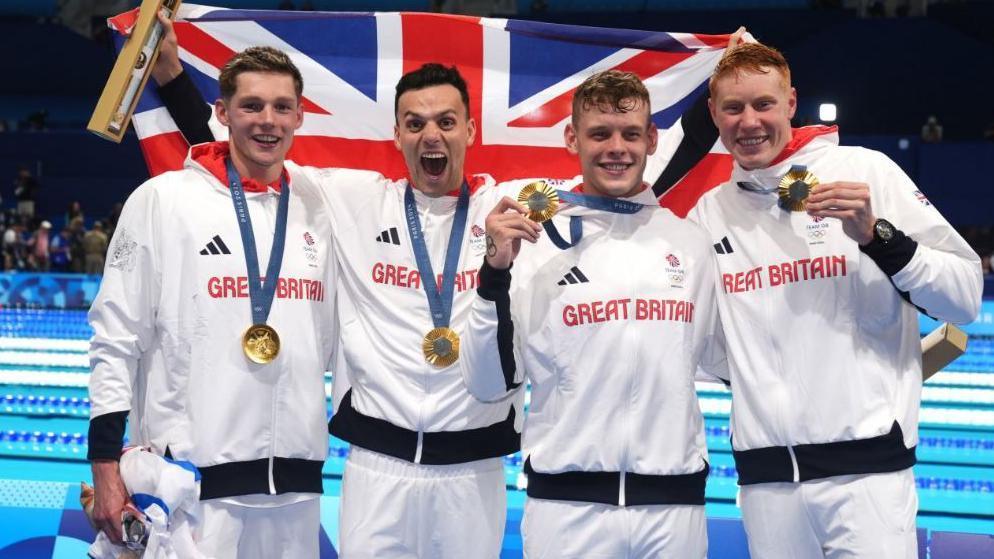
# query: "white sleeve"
{"type": "Point", "coordinates": [123, 317]}
{"type": "Point", "coordinates": [346, 190]}
{"type": "Point", "coordinates": [713, 364]}
{"type": "Point", "coordinates": [938, 271]}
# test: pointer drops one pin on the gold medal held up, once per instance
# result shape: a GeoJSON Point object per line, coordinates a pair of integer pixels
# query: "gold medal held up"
{"type": "Point", "coordinates": [261, 343]}
{"type": "Point", "coordinates": [794, 189]}
{"type": "Point", "coordinates": [541, 201]}
{"type": "Point", "coordinates": [441, 347]}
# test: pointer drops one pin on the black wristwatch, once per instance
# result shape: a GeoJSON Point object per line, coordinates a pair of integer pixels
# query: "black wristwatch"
{"type": "Point", "coordinates": [883, 232]}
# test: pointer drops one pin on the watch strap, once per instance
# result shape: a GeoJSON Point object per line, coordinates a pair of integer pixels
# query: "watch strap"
{"type": "Point", "coordinates": [893, 255]}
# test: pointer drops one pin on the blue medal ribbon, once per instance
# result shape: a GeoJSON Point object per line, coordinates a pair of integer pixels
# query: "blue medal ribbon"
{"type": "Point", "coordinates": [261, 292]}
{"type": "Point", "coordinates": [602, 203]}
{"type": "Point", "coordinates": [758, 188]}
{"type": "Point", "coordinates": [439, 299]}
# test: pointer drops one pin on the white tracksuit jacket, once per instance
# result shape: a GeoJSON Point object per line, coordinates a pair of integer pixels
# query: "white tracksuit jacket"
{"type": "Point", "coordinates": [822, 338]}
{"type": "Point", "coordinates": [399, 404]}
{"type": "Point", "coordinates": [609, 333]}
{"type": "Point", "coordinates": [168, 324]}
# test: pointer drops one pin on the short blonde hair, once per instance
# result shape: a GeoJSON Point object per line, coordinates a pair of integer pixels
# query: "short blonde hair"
{"type": "Point", "coordinates": [755, 58]}
{"type": "Point", "coordinates": [610, 90]}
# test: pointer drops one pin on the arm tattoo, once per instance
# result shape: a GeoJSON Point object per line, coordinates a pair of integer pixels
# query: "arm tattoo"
{"type": "Point", "coordinates": [491, 246]}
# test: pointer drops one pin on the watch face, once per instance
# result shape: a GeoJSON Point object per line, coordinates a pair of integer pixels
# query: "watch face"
{"type": "Point", "coordinates": [884, 230]}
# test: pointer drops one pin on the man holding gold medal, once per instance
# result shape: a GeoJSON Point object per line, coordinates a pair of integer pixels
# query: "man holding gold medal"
{"type": "Point", "coordinates": [215, 323]}
{"type": "Point", "coordinates": [825, 256]}
{"type": "Point", "coordinates": [608, 324]}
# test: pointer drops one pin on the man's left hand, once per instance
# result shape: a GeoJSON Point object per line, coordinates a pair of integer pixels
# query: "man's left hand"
{"type": "Point", "coordinates": [848, 201]}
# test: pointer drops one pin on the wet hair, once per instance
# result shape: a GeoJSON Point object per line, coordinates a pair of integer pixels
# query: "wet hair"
{"type": "Point", "coordinates": [258, 59]}
{"type": "Point", "coordinates": [610, 91]}
{"type": "Point", "coordinates": [754, 58]}
{"type": "Point", "coordinates": [429, 75]}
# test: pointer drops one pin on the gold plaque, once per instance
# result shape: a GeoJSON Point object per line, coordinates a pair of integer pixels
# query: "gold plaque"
{"type": "Point", "coordinates": [941, 347]}
{"type": "Point", "coordinates": [261, 343]}
{"type": "Point", "coordinates": [541, 201]}
{"type": "Point", "coordinates": [794, 189]}
{"type": "Point", "coordinates": [130, 73]}
{"type": "Point", "coordinates": [441, 347]}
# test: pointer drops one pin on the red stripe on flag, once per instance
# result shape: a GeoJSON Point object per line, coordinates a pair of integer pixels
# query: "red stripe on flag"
{"type": "Point", "coordinates": [164, 152]}
{"type": "Point", "coordinates": [517, 162]}
{"type": "Point", "coordinates": [327, 151]}
{"type": "Point", "coordinates": [205, 47]}
{"type": "Point", "coordinates": [644, 65]}
{"type": "Point", "coordinates": [421, 34]}
{"type": "Point", "coordinates": [124, 23]}
{"type": "Point", "coordinates": [713, 170]}
{"type": "Point", "coordinates": [720, 41]}
{"type": "Point", "coordinates": [202, 45]}
{"type": "Point", "coordinates": [649, 63]}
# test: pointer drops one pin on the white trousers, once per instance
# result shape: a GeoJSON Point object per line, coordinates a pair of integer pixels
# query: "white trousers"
{"type": "Point", "coordinates": [244, 532]}
{"type": "Point", "coordinates": [574, 530]}
{"type": "Point", "coordinates": [393, 509]}
{"type": "Point", "coordinates": [853, 516]}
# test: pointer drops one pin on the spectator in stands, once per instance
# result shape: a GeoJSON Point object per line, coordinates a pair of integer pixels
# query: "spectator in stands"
{"type": "Point", "coordinates": [74, 210]}
{"type": "Point", "coordinates": [77, 255]}
{"type": "Point", "coordinates": [25, 191]}
{"type": "Point", "coordinates": [59, 251]}
{"type": "Point", "coordinates": [38, 247]}
{"type": "Point", "coordinates": [14, 247]}
{"type": "Point", "coordinates": [932, 130]}
{"type": "Point", "coordinates": [95, 249]}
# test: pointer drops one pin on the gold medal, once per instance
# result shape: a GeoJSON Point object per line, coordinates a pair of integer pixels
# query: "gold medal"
{"type": "Point", "coordinates": [261, 343]}
{"type": "Point", "coordinates": [540, 199]}
{"type": "Point", "coordinates": [794, 189]}
{"type": "Point", "coordinates": [441, 347]}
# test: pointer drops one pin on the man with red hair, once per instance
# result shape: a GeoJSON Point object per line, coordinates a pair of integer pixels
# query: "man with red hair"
{"type": "Point", "coordinates": [825, 255]}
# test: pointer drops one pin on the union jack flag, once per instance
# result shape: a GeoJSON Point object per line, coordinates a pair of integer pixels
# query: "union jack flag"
{"type": "Point", "coordinates": [521, 77]}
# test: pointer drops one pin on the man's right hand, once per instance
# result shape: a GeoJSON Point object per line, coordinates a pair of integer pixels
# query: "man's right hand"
{"type": "Point", "coordinates": [167, 66]}
{"type": "Point", "coordinates": [506, 227]}
{"type": "Point", "coordinates": [110, 497]}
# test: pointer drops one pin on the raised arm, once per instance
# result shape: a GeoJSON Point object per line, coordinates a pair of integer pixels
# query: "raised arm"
{"type": "Point", "coordinates": [176, 89]}
{"type": "Point", "coordinates": [672, 162]}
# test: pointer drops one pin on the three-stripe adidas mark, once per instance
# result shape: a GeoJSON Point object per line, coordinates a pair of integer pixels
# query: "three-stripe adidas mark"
{"type": "Point", "coordinates": [574, 276]}
{"type": "Point", "coordinates": [724, 247]}
{"type": "Point", "coordinates": [216, 246]}
{"type": "Point", "coordinates": [389, 236]}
